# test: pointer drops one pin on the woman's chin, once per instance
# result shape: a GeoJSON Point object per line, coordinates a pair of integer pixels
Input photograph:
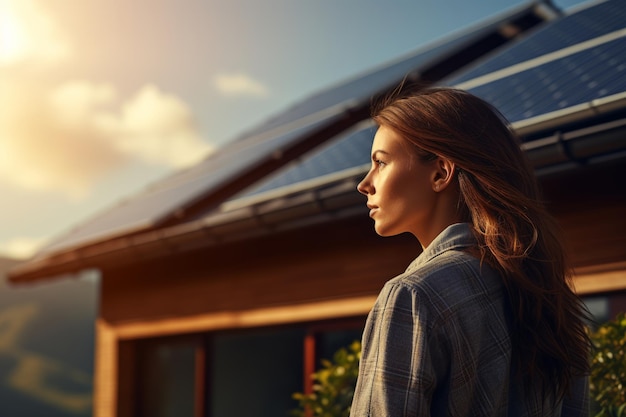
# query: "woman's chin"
{"type": "Point", "coordinates": [384, 231]}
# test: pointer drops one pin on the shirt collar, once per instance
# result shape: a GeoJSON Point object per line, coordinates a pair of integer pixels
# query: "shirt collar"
{"type": "Point", "coordinates": [455, 236]}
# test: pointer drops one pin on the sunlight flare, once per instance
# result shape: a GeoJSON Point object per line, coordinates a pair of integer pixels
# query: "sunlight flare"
{"type": "Point", "coordinates": [28, 32]}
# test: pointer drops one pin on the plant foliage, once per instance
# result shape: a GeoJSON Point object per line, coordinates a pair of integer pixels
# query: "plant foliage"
{"type": "Point", "coordinates": [608, 367]}
{"type": "Point", "coordinates": [333, 386]}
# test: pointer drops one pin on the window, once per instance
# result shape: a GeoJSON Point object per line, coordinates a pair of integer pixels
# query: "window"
{"type": "Point", "coordinates": [167, 375]}
{"type": "Point", "coordinates": [254, 373]}
{"type": "Point", "coordinates": [251, 372]}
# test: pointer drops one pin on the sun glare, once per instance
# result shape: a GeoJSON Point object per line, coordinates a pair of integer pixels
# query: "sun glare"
{"type": "Point", "coordinates": [13, 40]}
{"type": "Point", "coordinates": [27, 31]}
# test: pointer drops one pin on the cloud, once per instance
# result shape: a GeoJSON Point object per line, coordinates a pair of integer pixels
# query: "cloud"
{"type": "Point", "coordinates": [240, 84]}
{"type": "Point", "coordinates": [43, 148]}
{"type": "Point", "coordinates": [159, 128]}
{"type": "Point", "coordinates": [68, 137]}
{"type": "Point", "coordinates": [28, 33]}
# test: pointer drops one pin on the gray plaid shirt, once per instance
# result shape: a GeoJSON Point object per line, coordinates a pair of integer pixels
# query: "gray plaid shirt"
{"type": "Point", "coordinates": [436, 343]}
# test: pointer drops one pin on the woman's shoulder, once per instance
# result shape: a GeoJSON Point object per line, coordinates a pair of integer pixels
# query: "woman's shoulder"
{"type": "Point", "coordinates": [453, 277]}
{"type": "Point", "coordinates": [446, 267]}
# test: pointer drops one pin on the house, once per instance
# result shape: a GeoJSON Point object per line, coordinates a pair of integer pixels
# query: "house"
{"type": "Point", "coordinates": [223, 285]}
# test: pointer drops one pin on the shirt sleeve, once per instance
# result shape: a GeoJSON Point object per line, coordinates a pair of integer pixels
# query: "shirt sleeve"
{"type": "Point", "coordinates": [402, 358]}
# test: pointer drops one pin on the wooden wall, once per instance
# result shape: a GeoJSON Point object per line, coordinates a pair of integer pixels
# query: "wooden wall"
{"type": "Point", "coordinates": [331, 261]}
{"type": "Point", "coordinates": [590, 204]}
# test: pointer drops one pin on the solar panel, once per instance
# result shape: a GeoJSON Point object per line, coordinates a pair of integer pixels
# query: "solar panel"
{"type": "Point", "coordinates": [583, 25]}
{"type": "Point", "coordinates": [347, 151]}
{"type": "Point", "coordinates": [578, 78]}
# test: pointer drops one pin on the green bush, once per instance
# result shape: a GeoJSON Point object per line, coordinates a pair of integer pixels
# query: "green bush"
{"type": "Point", "coordinates": [333, 386]}
{"type": "Point", "coordinates": [608, 368]}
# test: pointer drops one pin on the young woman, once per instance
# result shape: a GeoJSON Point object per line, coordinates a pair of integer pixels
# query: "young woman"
{"type": "Point", "coordinates": [483, 322]}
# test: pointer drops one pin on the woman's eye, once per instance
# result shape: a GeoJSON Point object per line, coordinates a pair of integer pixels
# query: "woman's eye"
{"type": "Point", "coordinates": [379, 162]}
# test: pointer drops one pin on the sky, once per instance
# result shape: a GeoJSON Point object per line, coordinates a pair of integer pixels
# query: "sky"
{"type": "Point", "coordinates": [101, 98]}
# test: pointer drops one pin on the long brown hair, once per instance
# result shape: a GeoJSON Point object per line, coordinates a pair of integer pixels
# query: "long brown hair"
{"type": "Point", "coordinates": [516, 235]}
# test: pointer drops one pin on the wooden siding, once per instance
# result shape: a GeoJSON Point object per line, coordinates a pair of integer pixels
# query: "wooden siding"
{"type": "Point", "coordinates": [335, 260]}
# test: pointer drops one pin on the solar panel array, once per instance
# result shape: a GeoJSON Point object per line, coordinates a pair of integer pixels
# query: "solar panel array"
{"type": "Point", "coordinates": [166, 197]}
{"type": "Point", "coordinates": [559, 82]}
{"type": "Point", "coordinates": [589, 23]}
{"type": "Point", "coordinates": [593, 67]}
{"type": "Point", "coordinates": [579, 77]}
{"type": "Point", "coordinates": [172, 193]}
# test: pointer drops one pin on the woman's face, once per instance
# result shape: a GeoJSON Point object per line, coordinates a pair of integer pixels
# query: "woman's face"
{"type": "Point", "coordinates": [399, 186]}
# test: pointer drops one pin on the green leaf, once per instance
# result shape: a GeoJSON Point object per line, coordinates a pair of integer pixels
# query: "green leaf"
{"type": "Point", "coordinates": [333, 385]}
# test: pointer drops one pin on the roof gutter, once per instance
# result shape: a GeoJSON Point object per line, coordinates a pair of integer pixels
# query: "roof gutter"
{"type": "Point", "coordinates": [560, 149]}
{"type": "Point", "coordinates": [570, 115]}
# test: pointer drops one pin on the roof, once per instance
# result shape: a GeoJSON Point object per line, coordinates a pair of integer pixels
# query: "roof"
{"type": "Point", "coordinates": [301, 166]}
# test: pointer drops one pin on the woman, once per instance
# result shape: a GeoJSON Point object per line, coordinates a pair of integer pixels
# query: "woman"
{"type": "Point", "coordinates": [483, 322]}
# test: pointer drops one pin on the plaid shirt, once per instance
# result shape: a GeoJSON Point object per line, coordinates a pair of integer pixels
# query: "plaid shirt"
{"type": "Point", "coordinates": [436, 343]}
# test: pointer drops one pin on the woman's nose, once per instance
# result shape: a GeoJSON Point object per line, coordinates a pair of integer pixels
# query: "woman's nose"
{"type": "Point", "coordinates": [364, 187]}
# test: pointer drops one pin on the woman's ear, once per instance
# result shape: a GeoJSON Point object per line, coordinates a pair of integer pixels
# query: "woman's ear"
{"type": "Point", "coordinates": [443, 173]}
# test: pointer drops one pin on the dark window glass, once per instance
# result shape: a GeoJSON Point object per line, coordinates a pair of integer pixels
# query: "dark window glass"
{"type": "Point", "coordinates": [599, 307]}
{"type": "Point", "coordinates": [166, 385]}
{"type": "Point", "coordinates": [255, 373]}
{"type": "Point", "coordinates": [250, 373]}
